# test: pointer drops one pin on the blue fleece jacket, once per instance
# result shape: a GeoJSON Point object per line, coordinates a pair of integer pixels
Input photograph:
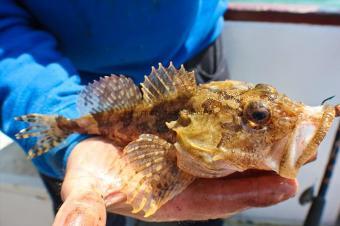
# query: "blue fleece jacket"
{"type": "Point", "coordinates": [50, 49]}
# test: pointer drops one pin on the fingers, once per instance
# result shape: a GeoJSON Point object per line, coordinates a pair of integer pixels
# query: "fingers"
{"type": "Point", "coordinates": [220, 198]}
{"type": "Point", "coordinates": [208, 199]}
{"type": "Point", "coordinates": [204, 199]}
{"type": "Point", "coordinates": [86, 209]}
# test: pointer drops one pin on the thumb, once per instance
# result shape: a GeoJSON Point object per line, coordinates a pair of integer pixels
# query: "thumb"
{"type": "Point", "coordinates": [83, 187]}
{"type": "Point", "coordinates": [86, 208]}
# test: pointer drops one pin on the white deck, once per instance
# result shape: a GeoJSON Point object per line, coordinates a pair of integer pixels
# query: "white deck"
{"type": "Point", "coordinates": [300, 60]}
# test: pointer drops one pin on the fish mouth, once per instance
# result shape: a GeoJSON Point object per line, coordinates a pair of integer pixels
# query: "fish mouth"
{"type": "Point", "coordinates": [301, 145]}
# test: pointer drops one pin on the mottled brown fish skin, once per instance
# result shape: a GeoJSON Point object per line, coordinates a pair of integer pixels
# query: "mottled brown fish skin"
{"type": "Point", "coordinates": [214, 124]}
{"type": "Point", "coordinates": [223, 104]}
{"type": "Point", "coordinates": [124, 126]}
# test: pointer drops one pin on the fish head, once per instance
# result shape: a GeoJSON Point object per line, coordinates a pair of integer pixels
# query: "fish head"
{"type": "Point", "coordinates": [235, 126]}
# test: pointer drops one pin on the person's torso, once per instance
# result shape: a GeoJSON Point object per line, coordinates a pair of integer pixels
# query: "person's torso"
{"type": "Point", "coordinates": [131, 35]}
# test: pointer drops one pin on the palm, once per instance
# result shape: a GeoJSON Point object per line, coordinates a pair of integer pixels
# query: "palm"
{"type": "Point", "coordinates": [91, 187]}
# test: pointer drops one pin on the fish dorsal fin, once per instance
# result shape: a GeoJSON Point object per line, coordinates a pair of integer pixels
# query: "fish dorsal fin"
{"type": "Point", "coordinates": [164, 83]}
{"type": "Point", "coordinates": [109, 93]}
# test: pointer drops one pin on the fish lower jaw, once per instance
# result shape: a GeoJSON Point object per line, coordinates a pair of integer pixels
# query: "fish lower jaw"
{"type": "Point", "coordinates": [301, 146]}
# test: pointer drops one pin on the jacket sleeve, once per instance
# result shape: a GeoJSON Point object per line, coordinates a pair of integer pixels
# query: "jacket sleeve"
{"type": "Point", "coordinates": [34, 78]}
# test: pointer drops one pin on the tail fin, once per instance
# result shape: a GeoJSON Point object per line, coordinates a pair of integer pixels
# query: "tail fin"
{"type": "Point", "coordinates": [45, 128]}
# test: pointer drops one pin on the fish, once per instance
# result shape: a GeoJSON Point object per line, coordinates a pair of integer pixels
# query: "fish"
{"type": "Point", "coordinates": [173, 131]}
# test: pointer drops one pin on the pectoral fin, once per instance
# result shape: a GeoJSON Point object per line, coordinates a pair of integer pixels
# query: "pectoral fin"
{"type": "Point", "coordinates": [151, 176]}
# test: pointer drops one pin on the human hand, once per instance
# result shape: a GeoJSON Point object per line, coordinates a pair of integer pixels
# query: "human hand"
{"type": "Point", "coordinates": [91, 188]}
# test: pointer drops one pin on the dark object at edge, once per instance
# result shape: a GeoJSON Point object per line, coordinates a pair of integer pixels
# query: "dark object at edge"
{"type": "Point", "coordinates": [307, 196]}
{"type": "Point", "coordinates": [315, 212]}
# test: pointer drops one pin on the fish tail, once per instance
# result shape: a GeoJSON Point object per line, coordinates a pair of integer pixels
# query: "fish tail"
{"type": "Point", "coordinates": [46, 128]}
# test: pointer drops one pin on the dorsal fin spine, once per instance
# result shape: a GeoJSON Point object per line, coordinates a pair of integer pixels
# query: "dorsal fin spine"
{"type": "Point", "coordinates": [147, 92]}
{"type": "Point", "coordinates": [161, 79]}
{"type": "Point", "coordinates": [151, 83]}
{"type": "Point", "coordinates": [109, 93]}
{"type": "Point", "coordinates": [163, 83]}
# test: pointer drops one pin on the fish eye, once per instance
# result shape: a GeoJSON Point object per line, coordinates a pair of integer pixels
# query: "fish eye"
{"type": "Point", "coordinates": [257, 112]}
{"type": "Point", "coordinates": [265, 87]}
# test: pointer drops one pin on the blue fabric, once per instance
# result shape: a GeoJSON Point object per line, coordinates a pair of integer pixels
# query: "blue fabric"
{"type": "Point", "coordinates": [50, 49]}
